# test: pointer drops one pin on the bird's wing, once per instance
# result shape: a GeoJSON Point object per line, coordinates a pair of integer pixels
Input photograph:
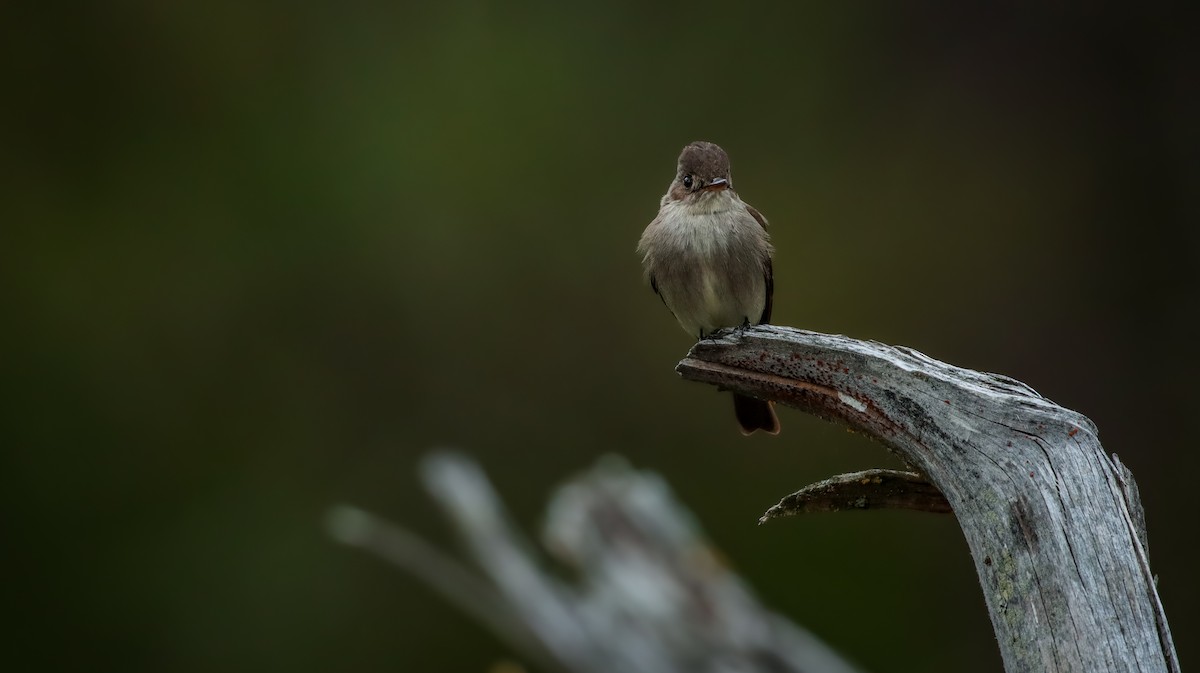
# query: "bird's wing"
{"type": "Point", "coordinates": [768, 269]}
{"type": "Point", "coordinates": [762, 221]}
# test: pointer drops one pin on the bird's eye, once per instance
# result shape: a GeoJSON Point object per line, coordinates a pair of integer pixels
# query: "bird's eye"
{"type": "Point", "coordinates": [687, 181]}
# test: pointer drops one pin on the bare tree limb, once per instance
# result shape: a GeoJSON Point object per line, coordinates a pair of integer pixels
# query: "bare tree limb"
{"type": "Point", "coordinates": [869, 489]}
{"type": "Point", "coordinates": [1054, 525]}
{"type": "Point", "coordinates": [645, 591]}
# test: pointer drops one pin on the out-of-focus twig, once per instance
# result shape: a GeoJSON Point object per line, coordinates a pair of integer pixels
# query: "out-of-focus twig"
{"type": "Point", "coordinates": [649, 595]}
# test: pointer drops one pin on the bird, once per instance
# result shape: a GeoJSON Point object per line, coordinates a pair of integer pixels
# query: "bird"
{"type": "Point", "coordinates": [707, 255]}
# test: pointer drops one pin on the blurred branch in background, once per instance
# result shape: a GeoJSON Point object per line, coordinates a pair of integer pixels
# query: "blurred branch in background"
{"type": "Point", "coordinates": [649, 593]}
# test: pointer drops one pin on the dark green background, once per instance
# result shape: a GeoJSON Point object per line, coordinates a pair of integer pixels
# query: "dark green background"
{"type": "Point", "coordinates": [258, 257]}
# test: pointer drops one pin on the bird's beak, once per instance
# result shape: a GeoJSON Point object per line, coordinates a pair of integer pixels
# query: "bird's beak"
{"type": "Point", "coordinates": [717, 185]}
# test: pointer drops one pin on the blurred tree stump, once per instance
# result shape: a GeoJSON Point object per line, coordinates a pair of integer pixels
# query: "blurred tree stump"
{"type": "Point", "coordinates": [1055, 526]}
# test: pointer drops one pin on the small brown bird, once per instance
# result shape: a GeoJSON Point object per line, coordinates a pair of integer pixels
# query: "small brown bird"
{"type": "Point", "coordinates": [708, 256]}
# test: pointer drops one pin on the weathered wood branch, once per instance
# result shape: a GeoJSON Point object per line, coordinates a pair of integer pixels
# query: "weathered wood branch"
{"type": "Point", "coordinates": [869, 489]}
{"type": "Point", "coordinates": [1053, 523]}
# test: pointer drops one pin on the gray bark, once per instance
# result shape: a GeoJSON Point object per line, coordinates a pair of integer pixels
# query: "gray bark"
{"type": "Point", "coordinates": [1053, 524]}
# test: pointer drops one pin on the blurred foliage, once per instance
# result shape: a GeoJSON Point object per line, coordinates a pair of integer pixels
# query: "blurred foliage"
{"type": "Point", "coordinates": [256, 257]}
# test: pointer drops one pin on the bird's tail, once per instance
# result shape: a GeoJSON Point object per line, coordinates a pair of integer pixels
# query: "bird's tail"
{"type": "Point", "coordinates": [755, 414]}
